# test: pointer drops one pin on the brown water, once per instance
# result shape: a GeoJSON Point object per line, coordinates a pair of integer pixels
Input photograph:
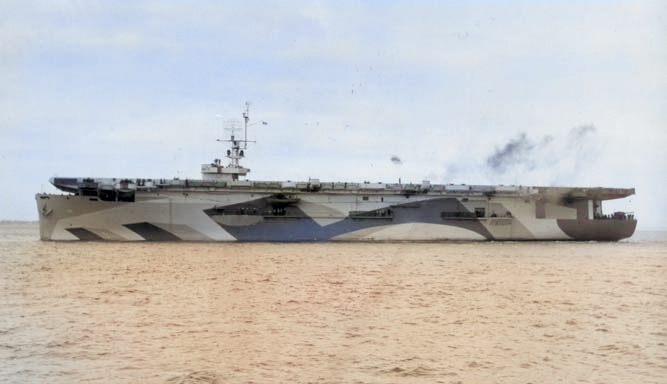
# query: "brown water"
{"type": "Point", "coordinates": [331, 313]}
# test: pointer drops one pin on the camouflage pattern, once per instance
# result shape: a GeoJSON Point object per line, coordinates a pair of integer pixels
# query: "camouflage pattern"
{"type": "Point", "coordinates": [279, 212]}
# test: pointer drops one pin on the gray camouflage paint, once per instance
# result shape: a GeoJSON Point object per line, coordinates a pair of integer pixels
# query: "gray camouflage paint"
{"type": "Point", "coordinates": [285, 218]}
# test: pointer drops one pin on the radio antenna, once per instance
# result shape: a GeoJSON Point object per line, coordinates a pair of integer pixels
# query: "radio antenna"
{"type": "Point", "coordinates": [246, 117]}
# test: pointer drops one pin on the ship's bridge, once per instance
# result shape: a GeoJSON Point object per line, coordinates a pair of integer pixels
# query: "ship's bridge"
{"type": "Point", "coordinates": [217, 172]}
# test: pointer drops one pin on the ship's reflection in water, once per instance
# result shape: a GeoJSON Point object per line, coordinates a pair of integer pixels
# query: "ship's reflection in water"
{"type": "Point", "coordinates": [301, 313]}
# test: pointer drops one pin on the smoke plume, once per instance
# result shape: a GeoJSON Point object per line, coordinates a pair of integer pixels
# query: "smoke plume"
{"type": "Point", "coordinates": [549, 157]}
{"type": "Point", "coordinates": [516, 151]}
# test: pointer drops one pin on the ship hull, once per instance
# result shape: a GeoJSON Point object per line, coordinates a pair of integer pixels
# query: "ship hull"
{"type": "Point", "coordinates": [264, 216]}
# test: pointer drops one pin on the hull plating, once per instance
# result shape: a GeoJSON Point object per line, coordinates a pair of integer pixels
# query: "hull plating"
{"type": "Point", "coordinates": [247, 217]}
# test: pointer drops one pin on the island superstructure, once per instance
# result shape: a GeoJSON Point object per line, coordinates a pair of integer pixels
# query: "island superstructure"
{"type": "Point", "coordinates": [224, 206]}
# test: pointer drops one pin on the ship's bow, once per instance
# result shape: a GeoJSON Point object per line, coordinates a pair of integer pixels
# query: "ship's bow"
{"type": "Point", "coordinates": [47, 221]}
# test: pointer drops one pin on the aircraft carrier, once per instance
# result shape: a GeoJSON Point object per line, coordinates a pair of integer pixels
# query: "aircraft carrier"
{"type": "Point", "coordinates": [224, 206]}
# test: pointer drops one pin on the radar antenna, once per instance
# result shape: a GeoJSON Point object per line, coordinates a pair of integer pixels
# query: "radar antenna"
{"type": "Point", "coordinates": [215, 170]}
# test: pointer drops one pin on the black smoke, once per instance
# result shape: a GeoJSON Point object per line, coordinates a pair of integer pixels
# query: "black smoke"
{"type": "Point", "coordinates": [516, 151]}
{"type": "Point", "coordinates": [524, 153]}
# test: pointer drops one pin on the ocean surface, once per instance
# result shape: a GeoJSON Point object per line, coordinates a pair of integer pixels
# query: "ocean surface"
{"type": "Point", "coordinates": [460, 312]}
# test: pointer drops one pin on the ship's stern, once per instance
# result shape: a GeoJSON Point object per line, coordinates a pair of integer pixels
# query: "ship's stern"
{"type": "Point", "coordinates": [611, 229]}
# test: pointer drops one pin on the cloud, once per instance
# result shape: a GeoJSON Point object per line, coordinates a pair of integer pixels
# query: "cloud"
{"type": "Point", "coordinates": [578, 134]}
{"type": "Point", "coordinates": [473, 93]}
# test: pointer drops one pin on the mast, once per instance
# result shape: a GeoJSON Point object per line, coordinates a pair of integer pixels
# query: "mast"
{"type": "Point", "coordinates": [246, 117]}
{"type": "Point", "coordinates": [236, 151]}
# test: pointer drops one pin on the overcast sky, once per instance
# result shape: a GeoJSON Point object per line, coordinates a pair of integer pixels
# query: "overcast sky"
{"type": "Point", "coordinates": [567, 93]}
